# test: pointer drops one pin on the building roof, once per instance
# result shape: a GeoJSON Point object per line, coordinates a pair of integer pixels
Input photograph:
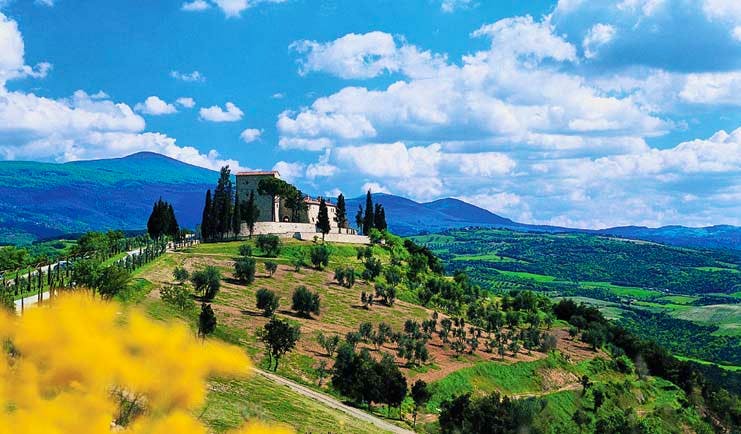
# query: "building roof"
{"type": "Point", "coordinates": [311, 201]}
{"type": "Point", "coordinates": [259, 173]}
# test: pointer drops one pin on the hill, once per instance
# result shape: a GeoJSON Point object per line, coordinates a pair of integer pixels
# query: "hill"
{"type": "Point", "coordinates": [466, 359]}
{"type": "Point", "coordinates": [43, 200]}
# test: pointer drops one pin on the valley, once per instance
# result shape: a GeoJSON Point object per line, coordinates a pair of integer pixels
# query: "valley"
{"type": "Point", "coordinates": [686, 299]}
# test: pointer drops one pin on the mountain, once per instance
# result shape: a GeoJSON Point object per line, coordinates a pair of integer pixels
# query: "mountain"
{"type": "Point", "coordinates": [42, 200]}
{"type": "Point", "coordinates": [406, 217]}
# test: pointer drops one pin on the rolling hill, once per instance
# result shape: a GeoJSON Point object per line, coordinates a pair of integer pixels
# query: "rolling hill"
{"type": "Point", "coordinates": [46, 200]}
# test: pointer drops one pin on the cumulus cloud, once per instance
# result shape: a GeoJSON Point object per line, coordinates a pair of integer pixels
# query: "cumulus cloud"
{"type": "Point", "coordinates": [155, 106]}
{"type": "Point", "coordinates": [186, 102]}
{"type": "Point", "coordinates": [230, 113]}
{"type": "Point", "coordinates": [508, 91]}
{"type": "Point", "coordinates": [249, 135]}
{"type": "Point", "coordinates": [190, 77]}
{"type": "Point", "coordinates": [362, 56]}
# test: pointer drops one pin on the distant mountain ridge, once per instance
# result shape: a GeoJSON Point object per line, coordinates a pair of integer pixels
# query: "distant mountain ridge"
{"type": "Point", "coordinates": [44, 200]}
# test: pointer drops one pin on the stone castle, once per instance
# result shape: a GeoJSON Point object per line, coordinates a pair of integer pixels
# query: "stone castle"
{"type": "Point", "coordinates": [275, 216]}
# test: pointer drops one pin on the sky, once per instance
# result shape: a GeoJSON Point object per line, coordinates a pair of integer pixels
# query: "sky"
{"type": "Point", "coordinates": [573, 112]}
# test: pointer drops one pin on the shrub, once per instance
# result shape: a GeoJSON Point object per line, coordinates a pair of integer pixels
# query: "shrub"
{"type": "Point", "coordinates": [245, 250]}
{"type": "Point", "coordinates": [207, 281]}
{"type": "Point", "coordinates": [372, 270]}
{"type": "Point", "coordinates": [345, 276]}
{"type": "Point", "coordinates": [548, 343]}
{"type": "Point", "coordinates": [180, 274]}
{"type": "Point", "coordinates": [298, 260]}
{"type": "Point", "coordinates": [269, 244]}
{"type": "Point", "coordinates": [271, 267]}
{"type": "Point", "coordinates": [320, 256]}
{"type": "Point", "coordinates": [305, 302]}
{"type": "Point", "coordinates": [387, 292]}
{"type": "Point", "coordinates": [267, 301]}
{"type": "Point", "coordinates": [244, 270]}
{"type": "Point", "coordinates": [178, 296]}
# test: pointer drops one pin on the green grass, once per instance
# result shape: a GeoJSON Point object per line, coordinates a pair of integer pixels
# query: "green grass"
{"type": "Point", "coordinates": [487, 377]}
{"type": "Point", "coordinates": [623, 291]}
{"type": "Point", "coordinates": [705, 362]}
{"type": "Point", "coordinates": [489, 257]}
{"type": "Point", "coordinates": [679, 299]}
{"type": "Point", "coordinates": [231, 402]}
{"type": "Point", "coordinates": [725, 316]}
{"type": "Point", "coordinates": [531, 276]}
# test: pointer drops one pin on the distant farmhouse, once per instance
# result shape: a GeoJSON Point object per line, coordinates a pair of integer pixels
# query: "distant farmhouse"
{"type": "Point", "coordinates": [277, 218]}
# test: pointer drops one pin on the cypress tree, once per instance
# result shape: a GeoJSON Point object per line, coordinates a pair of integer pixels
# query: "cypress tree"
{"type": "Point", "coordinates": [236, 217]}
{"type": "Point", "coordinates": [341, 212]}
{"type": "Point", "coordinates": [368, 218]}
{"type": "Point", "coordinates": [206, 222]}
{"type": "Point", "coordinates": [251, 212]}
{"type": "Point", "coordinates": [379, 217]}
{"type": "Point", "coordinates": [359, 219]}
{"type": "Point", "coordinates": [323, 218]}
{"type": "Point", "coordinates": [222, 204]}
{"type": "Point", "coordinates": [172, 222]}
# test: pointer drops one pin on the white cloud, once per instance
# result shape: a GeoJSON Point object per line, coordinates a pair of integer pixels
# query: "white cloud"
{"type": "Point", "coordinates": [362, 56]}
{"type": "Point", "coordinates": [12, 50]}
{"type": "Point", "coordinates": [217, 114]}
{"type": "Point", "coordinates": [393, 160]}
{"type": "Point", "coordinates": [600, 34]}
{"type": "Point", "coordinates": [719, 153]}
{"type": "Point", "coordinates": [712, 88]}
{"type": "Point", "coordinates": [278, 95]}
{"type": "Point", "coordinates": [449, 6]}
{"type": "Point", "coordinates": [374, 187]}
{"type": "Point", "coordinates": [190, 77]}
{"type": "Point", "coordinates": [351, 56]}
{"type": "Point", "coordinates": [155, 106]}
{"type": "Point", "coordinates": [486, 164]}
{"type": "Point", "coordinates": [195, 5]}
{"type": "Point", "coordinates": [290, 171]}
{"type": "Point", "coordinates": [507, 93]}
{"type": "Point", "coordinates": [186, 102]}
{"type": "Point", "coordinates": [522, 36]}
{"type": "Point", "coordinates": [322, 168]}
{"type": "Point", "coordinates": [249, 135]}
{"type": "Point", "coordinates": [234, 8]}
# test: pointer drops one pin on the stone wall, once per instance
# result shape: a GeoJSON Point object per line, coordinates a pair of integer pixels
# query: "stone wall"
{"type": "Point", "coordinates": [304, 231]}
{"type": "Point", "coordinates": [334, 237]}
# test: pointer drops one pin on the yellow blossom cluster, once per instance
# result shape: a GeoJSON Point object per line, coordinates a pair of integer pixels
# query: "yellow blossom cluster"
{"type": "Point", "coordinates": [83, 366]}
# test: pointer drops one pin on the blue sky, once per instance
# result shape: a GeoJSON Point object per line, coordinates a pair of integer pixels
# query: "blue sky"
{"type": "Point", "coordinates": [578, 113]}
